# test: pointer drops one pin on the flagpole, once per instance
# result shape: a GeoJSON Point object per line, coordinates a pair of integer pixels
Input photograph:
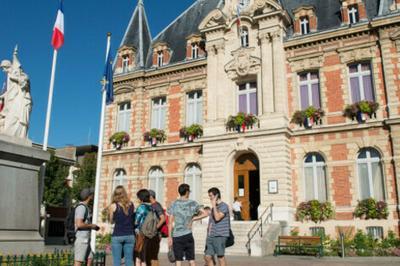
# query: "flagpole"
{"type": "Point", "coordinates": [99, 154]}
{"type": "Point", "coordinates": [50, 101]}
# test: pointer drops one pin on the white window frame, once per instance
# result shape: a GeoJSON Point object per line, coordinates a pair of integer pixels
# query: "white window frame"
{"type": "Point", "coordinates": [158, 105]}
{"type": "Point", "coordinates": [119, 178]}
{"type": "Point", "coordinates": [314, 165]}
{"type": "Point", "coordinates": [360, 74]}
{"type": "Point", "coordinates": [246, 92]}
{"type": "Point", "coordinates": [157, 174]}
{"type": "Point", "coordinates": [309, 82]}
{"type": "Point", "coordinates": [304, 25]}
{"type": "Point", "coordinates": [193, 171]}
{"type": "Point", "coordinates": [197, 102]}
{"type": "Point", "coordinates": [369, 161]}
{"type": "Point", "coordinates": [195, 51]}
{"type": "Point", "coordinates": [352, 12]}
{"type": "Point", "coordinates": [124, 116]}
{"type": "Point", "coordinates": [244, 37]}
{"type": "Point", "coordinates": [125, 63]}
{"type": "Point", "coordinates": [160, 58]}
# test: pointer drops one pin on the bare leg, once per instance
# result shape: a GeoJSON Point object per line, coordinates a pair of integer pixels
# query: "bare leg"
{"type": "Point", "coordinates": [77, 263]}
{"type": "Point", "coordinates": [210, 261]}
{"type": "Point", "coordinates": [178, 263]}
{"type": "Point", "coordinates": [192, 263]}
{"type": "Point", "coordinates": [89, 262]}
{"type": "Point", "coordinates": [222, 261]}
{"type": "Point", "coordinates": [138, 262]}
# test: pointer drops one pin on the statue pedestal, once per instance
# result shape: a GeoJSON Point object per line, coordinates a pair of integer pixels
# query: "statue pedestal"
{"type": "Point", "coordinates": [19, 196]}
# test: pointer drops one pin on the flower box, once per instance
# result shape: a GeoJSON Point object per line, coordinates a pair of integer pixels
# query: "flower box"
{"type": "Point", "coordinates": [242, 122]}
{"type": "Point", "coordinates": [371, 209]}
{"type": "Point", "coordinates": [192, 132]}
{"type": "Point", "coordinates": [155, 136]}
{"type": "Point", "coordinates": [119, 139]}
{"type": "Point", "coordinates": [315, 211]}
{"type": "Point", "coordinates": [361, 111]}
{"type": "Point", "coordinates": [308, 117]}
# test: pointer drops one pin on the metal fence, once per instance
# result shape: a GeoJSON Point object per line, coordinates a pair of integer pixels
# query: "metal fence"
{"type": "Point", "coordinates": [54, 259]}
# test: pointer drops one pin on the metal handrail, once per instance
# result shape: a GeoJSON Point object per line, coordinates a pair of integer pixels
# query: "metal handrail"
{"type": "Point", "coordinates": [258, 226]}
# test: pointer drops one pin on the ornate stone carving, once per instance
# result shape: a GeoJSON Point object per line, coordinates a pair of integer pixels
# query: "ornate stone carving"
{"type": "Point", "coordinates": [265, 5]}
{"type": "Point", "coordinates": [243, 64]}
{"type": "Point", "coordinates": [303, 63]}
{"type": "Point", "coordinates": [16, 100]}
{"type": "Point", "coordinates": [354, 54]}
{"type": "Point", "coordinates": [215, 18]}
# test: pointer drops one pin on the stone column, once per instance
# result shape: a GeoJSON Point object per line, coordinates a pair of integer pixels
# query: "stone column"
{"type": "Point", "coordinates": [267, 79]}
{"type": "Point", "coordinates": [280, 89]}
{"type": "Point", "coordinates": [221, 80]}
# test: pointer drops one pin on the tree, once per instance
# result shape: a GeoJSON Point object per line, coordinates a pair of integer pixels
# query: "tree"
{"type": "Point", "coordinates": [56, 192]}
{"type": "Point", "coordinates": [85, 176]}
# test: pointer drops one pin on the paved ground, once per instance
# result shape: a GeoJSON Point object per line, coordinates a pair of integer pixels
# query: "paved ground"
{"type": "Point", "coordinates": [294, 261]}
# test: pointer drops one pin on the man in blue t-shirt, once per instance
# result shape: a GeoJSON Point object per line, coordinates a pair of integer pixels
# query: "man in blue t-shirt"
{"type": "Point", "coordinates": [218, 228]}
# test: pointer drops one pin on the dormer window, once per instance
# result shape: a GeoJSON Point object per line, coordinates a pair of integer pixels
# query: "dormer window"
{"type": "Point", "coordinates": [125, 64]}
{"type": "Point", "coordinates": [304, 25]}
{"type": "Point", "coordinates": [244, 37]}
{"type": "Point", "coordinates": [353, 14]}
{"type": "Point", "coordinates": [160, 58]}
{"type": "Point", "coordinates": [195, 51]}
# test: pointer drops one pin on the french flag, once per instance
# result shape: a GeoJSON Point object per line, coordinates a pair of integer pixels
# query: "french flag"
{"type": "Point", "coordinates": [58, 32]}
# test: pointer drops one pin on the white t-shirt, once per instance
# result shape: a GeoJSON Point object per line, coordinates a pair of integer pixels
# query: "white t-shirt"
{"type": "Point", "coordinates": [237, 206]}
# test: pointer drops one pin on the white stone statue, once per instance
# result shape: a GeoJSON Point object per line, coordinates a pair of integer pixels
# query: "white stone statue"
{"type": "Point", "coordinates": [17, 101]}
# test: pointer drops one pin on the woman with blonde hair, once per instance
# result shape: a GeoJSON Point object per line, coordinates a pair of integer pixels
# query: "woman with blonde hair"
{"type": "Point", "coordinates": [121, 213]}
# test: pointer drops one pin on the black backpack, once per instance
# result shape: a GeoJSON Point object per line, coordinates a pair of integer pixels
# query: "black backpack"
{"type": "Point", "coordinates": [70, 222]}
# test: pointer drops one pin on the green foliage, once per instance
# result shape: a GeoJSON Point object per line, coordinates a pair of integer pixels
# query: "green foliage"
{"type": "Point", "coordinates": [194, 130]}
{"type": "Point", "coordinates": [311, 112]}
{"type": "Point", "coordinates": [366, 107]}
{"type": "Point", "coordinates": [119, 138]}
{"type": "Point", "coordinates": [103, 242]}
{"type": "Point", "coordinates": [315, 211]}
{"type": "Point", "coordinates": [371, 209]}
{"type": "Point", "coordinates": [85, 176]}
{"type": "Point", "coordinates": [159, 134]}
{"type": "Point", "coordinates": [241, 120]}
{"type": "Point", "coordinates": [56, 190]}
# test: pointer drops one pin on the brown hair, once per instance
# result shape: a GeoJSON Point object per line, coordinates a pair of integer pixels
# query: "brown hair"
{"type": "Point", "coordinates": [121, 197]}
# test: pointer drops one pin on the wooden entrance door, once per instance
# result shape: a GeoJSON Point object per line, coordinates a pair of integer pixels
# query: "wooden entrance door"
{"type": "Point", "coordinates": [243, 166]}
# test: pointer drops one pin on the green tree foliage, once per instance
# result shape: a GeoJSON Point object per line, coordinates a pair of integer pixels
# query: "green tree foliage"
{"type": "Point", "coordinates": [85, 176]}
{"type": "Point", "coordinates": [56, 191]}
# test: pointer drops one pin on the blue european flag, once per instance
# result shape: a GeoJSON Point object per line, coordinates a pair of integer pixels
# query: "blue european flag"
{"type": "Point", "coordinates": [108, 79]}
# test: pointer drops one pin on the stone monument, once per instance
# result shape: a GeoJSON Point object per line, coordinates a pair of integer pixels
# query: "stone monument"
{"type": "Point", "coordinates": [20, 164]}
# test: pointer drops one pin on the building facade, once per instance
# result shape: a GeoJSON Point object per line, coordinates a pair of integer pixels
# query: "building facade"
{"type": "Point", "coordinates": [282, 62]}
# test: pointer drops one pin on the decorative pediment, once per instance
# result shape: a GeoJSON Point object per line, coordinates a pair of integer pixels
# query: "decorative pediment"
{"type": "Point", "coordinates": [303, 63]}
{"type": "Point", "coordinates": [123, 88]}
{"type": "Point", "coordinates": [243, 64]}
{"type": "Point", "coordinates": [354, 54]}
{"type": "Point", "coordinates": [214, 19]}
{"type": "Point", "coordinates": [265, 6]}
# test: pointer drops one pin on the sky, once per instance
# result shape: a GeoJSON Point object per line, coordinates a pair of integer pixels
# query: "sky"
{"type": "Point", "coordinates": [77, 98]}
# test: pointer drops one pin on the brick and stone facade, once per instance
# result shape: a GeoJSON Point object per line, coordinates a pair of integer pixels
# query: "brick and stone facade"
{"type": "Point", "coordinates": [274, 59]}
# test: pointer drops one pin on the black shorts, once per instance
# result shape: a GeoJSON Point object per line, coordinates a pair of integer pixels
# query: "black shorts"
{"type": "Point", "coordinates": [183, 247]}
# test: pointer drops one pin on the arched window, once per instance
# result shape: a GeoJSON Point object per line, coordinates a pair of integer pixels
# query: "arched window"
{"type": "Point", "coordinates": [193, 179]}
{"type": "Point", "coordinates": [370, 174]}
{"type": "Point", "coordinates": [244, 37]}
{"type": "Point", "coordinates": [156, 183]}
{"type": "Point", "coordinates": [119, 178]}
{"type": "Point", "coordinates": [315, 177]}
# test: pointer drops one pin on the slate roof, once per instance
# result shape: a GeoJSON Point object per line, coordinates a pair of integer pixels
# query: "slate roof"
{"type": "Point", "coordinates": [138, 34]}
{"type": "Point", "coordinates": [175, 34]}
{"type": "Point", "coordinates": [186, 24]}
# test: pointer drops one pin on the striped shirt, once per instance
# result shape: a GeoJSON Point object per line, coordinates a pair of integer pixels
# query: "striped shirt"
{"type": "Point", "coordinates": [220, 228]}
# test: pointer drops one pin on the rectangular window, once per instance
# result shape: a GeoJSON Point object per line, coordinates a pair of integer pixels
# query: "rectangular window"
{"type": "Point", "coordinates": [353, 14]}
{"type": "Point", "coordinates": [160, 59]}
{"type": "Point", "coordinates": [247, 98]}
{"type": "Point", "coordinates": [158, 113]}
{"type": "Point", "coordinates": [125, 64]}
{"type": "Point", "coordinates": [361, 87]}
{"type": "Point", "coordinates": [304, 25]}
{"type": "Point", "coordinates": [124, 116]}
{"type": "Point", "coordinates": [376, 232]}
{"type": "Point", "coordinates": [317, 231]}
{"type": "Point", "coordinates": [195, 51]}
{"type": "Point", "coordinates": [194, 108]}
{"type": "Point", "coordinates": [309, 90]}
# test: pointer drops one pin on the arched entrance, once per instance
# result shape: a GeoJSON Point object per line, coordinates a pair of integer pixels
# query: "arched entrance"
{"type": "Point", "coordinates": [247, 185]}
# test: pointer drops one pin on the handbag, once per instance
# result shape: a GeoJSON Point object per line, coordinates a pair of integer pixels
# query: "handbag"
{"type": "Point", "coordinates": [171, 255]}
{"type": "Point", "coordinates": [139, 242]}
{"type": "Point", "coordinates": [230, 241]}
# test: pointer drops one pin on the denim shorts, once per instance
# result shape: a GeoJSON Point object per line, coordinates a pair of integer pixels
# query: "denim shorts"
{"type": "Point", "coordinates": [215, 245]}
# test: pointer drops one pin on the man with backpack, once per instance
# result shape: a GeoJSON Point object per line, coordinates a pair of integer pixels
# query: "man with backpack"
{"type": "Point", "coordinates": [182, 213]}
{"type": "Point", "coordinates": [83, 227]}
{"type": "Point", "coordinates": [154, 244]}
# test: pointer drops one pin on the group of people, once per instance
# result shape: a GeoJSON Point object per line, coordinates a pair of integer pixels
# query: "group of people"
{"type": "Point", "coordinates": [138, 231]}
